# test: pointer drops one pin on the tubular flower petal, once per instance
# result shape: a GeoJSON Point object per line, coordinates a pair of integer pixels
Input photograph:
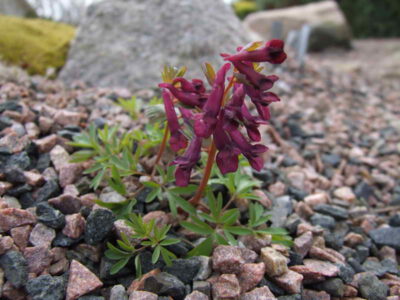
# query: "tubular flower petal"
{"type": "Point", "coordinates": [206, 123]}
{"type": "Point", "coordinates": [187, 161]}
{"type": "Point", "coordinates": [187, 98]}
{"type": "Point", "coordinates": [177, 140]}
{"type": "Point", "coordinates": [251, 152]}
{"type": "Point", "coordinates": [227, 158]}
{"type": "Point", "coordinates": [272, 52]}
{"type": "Point", "coordinates": [258, 80]}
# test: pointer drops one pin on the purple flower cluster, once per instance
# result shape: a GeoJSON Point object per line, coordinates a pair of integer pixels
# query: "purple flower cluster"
{"type": "Point", "coordinates": [221, 114]}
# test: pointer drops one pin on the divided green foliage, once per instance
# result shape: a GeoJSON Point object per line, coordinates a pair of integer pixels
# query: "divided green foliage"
{"type": "Point", "coordinates": [147, 236]}
{"type": "Point", "coordinates": [132, 106]}
{"type": "Point", "coordinates": [115, 155]}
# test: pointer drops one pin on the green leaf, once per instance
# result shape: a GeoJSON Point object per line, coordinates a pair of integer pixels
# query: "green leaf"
{"type": "Point", "coordinates": [230, 216]}
{"type": "Point", "coordinates": [220, 239]}
{"type": "Point", "coordinates": [167, 256]}
{"type": "Point", "coordinates": [115, 181]}
{"type": "Point", "coordinates": [238, 230]}
{"type": "Point", "coordinates": [156, 254]}
{"type": "Point", "coordinates": [283, 240]}
{"type": "Point", "coordinates": [138, 266]}
{"type": "Point", "coordinates": [204, 248]}
{"type": "Point", "coordinates": [191, 188]}
{"type": "Point", "coordinates": [168, 242]}
{"type": "Point", "coordinates": [197, 228]}
{"type": "Point", "coordinates": [185, 205]}
{"type": "Point", "coordinates": [124, 246]}
{"type": "Point", "coordinates": [82, 156]}
{"type": "Point", "coordinates": [231, 239]}
{"type": "Point", "coordinates": [119, 265]}
{"type": "Point", "coordinates": [153, 194]}
{"type": "Point", "coordinates": [273, 231]}
{"type": "Point", "coordinates": [97, 179]}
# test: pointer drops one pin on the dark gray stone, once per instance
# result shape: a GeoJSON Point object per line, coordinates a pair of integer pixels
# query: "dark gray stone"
{"type": "Point", "coordinates": [5, 122]}
{"type": "Point", "coordinates": [386, 236]}
{"type": "Point", "coordinates": [91, 297]}
{"type": "Point", "coordinates": [355, 264]}
{"type": "Point", "coordinates": [15, 268]}
{"type": "Point", "coordinates": [296, 193]}
{"type": "Point", "coordinates": [362, 252]}
{"type": "Point", "coordinates": [15, 175]}
{"type": "Point", "coordinates": [62, 240]}
{"type": "Point", "coordinates": [331, 159]}
{"type": "Point", "coordinates": [394, 220]}
{"type": "Point", "coordinates": [290, 297]}
{"type": "Point", "coordinates": [49, 190]}
{"type": "Point", "coordinates": [147, 265]}
{"type": "Point", "coordinates": [165, 284]}
{"type": "Point", "coordinates": [346, 272]}
{"type": "Point", "coordinates": [333, 286]}
{"type": "Point", "coordinates": [203, 287]}
{"type": "Point", "coordinates": [46, 287]}
{"type": "Point", "coordinates": [363, 191]}
{"type": "Point", "coordinates": [50, 216]}
{"type": "Point", "coordinates": [184, 269]}
{"type": "Point", "coordinates": [105, 268]}
{"type": "Point", "coordinates": [276, 290]}
{"type": "Point", "coordinates": [19, 190]}
{"type": "Point", "coordinates": [337, 212]}
{"type": "Point", "coordinates": [371, 288]}
{"type": "Point", "coordinates": [43, 162]}
{"type": "Point", "coordinates": [324, 221]}
{"type": "Point", "coordinates": [98, 225]}
{"type": "Point", "coordinates": [374, 267]}
{"type": "Point", "coordinates": [391, 266]}
{"type": "Point", "coordinates": [20, 160]}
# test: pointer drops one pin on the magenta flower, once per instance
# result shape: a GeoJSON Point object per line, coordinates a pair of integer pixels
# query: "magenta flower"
{"type": "Point", "coordinates": [221, 113]}
{"type": "Point", "coordinates": [205, 122]}
{"type": "Point", "coordinates": [251, 152]}
{"type": "Point", "coordinates": [187, 98]}
{"type": "Point", "coordinates": [177, 140]}
{"type": "Point", "coordinates": [258, 80]}
{"type": "Point", "coordinates": [272, 52]}
{"type": "Point", "coordinates": [187, 161]}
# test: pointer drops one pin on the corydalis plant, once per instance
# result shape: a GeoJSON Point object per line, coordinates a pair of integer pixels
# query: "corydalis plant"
{"type": "Point", "coordinates": [222, 113]}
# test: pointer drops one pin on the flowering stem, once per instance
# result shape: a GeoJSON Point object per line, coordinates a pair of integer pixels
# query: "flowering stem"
{"type": "Point", "coordinates": [211, 157]}
{"type": "Point", "coordinates": [207, 172]}
{"type": "Point", "coordinates": [162, 148]}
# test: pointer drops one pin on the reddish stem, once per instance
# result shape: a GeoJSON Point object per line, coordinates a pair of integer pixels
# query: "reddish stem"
{"type": "Point", "coordinates": [211, 157]}
{"type": "Point", "coordinates": [162, 148]}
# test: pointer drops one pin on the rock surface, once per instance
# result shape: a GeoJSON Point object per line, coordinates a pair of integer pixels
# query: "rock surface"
{"type": "Point", "coordinates": [185, 30]}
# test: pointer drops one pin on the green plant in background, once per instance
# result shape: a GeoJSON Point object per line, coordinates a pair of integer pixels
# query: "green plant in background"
{"type": "Point", "coordinates": [147, 236]}
{"type": "Point", "coordinates": [132, 106]}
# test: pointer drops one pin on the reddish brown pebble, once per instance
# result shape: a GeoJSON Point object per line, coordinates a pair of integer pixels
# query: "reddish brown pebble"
{"type": "Point", "coordinates": [345, 193]}
{"type": "Point", "coordinates": [14, 217]}
{"type": "Point", "coordinates": [47, 143]}
{"type": "Point", "coordinates": [302, 244]}
{"type": "Point", "coordinates": [227, 259]}
{"type": "Point", "coordinates": [142, 295]}
{"type": "Point", "coordinates": [38, 258]}
{"type": "Point", "coordinates": [251, 275]}
{"type": "Point", "coordinates": [11, 293]}
{"type": "Point", "coordinates": [275, 262]}
{"type": "Point", "coordinates": [263, 198]}
{"type": "Point", "coordinates": [262, 293]}
{"type": "Point", "coordinates": [160, 217]}
{"type": "Point", "coordinates": [20, 236]}
{"type": "Point", "coordinates": [4, 187]}
{"type": "Point", "coordinates": [226, 287]}
{"type": "Point", "coordinates": [34, 179]}
{"type": "Point", "coordinates": [6, 243]}
{"type": "Point", "coordinates": [353, 239]}
{"type": "Point", "coordinates": [196, 295]}
{"type": "Point", "coordinates": [315, 199]}
{"type": "Point", "coordinates": [138, 284]}
{"type": "Point", "coordinates": [81, 281]}
{"type": "Point", "coordinates": [74, 226]}
{"type": "Point", "coordinates": [59, 267]}
{"type": "Point", "coordinates": [69, 173]}
{"type": "Point", "coordinates": [350, 291]}
{"type": "Point", "coordinates": [41, 235]}
{"type": "Point", "coordinates": [255, 243]}
{"type": "Point", "coordinates": [59, 157]}
{"type": "Point", "coordinates": [248, 255]}
{"type": "Point", "coordinates": [65, 117]}
{"type": "Point", "coordinates": [321, 267]}
{"type": "Point", "coordinates": [290, 281]}
{"type": "Point", "coordinates": [309, 275]}
{"type": "Point", "coordinates": [325, 254]}
{"type": "Point", "coordinates": [66, 203]}
{"type": "Point", "coordinates": [314, 295]}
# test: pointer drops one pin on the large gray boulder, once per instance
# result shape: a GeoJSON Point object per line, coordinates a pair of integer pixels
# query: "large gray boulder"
{"type": "Point", "coordinates": [327, 21]}
{"type": "Point", "coordinates": [126, 43]}
{"type": "Point", "coordinates": [19, 8]}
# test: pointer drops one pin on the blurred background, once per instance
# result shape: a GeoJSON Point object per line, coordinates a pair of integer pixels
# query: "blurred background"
{"type": "Point", "coordinates": [37, 34]}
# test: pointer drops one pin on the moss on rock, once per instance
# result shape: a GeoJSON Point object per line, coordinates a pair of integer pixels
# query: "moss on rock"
{"type": "Point", "coordinates": [34, 44]}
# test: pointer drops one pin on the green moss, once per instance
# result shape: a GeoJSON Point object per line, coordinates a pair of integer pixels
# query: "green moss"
{"type": "Point", "coordinates": [243, 8]}
{"type": "Point", "coordinates": [34, 44]}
